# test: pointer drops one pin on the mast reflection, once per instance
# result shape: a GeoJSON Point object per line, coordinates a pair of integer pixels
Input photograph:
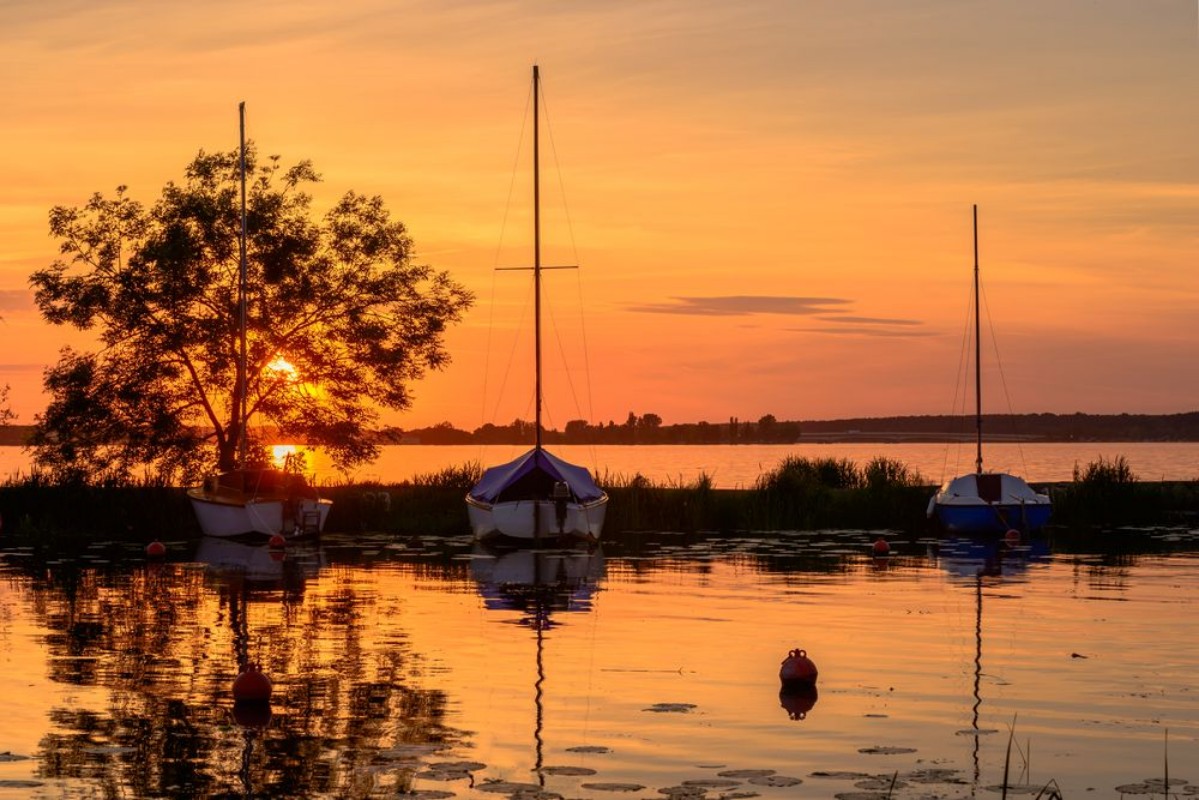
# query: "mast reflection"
{"type": "Point", "coordinates": [978, 562]}
{"type": "Point", "coordinates": [538, 583]}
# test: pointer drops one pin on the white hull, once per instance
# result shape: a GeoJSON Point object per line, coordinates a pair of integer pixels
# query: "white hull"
{"type": "Point", "coordinates": [225, 517]}
{"type": "Point", "coordinates": [516, 519]}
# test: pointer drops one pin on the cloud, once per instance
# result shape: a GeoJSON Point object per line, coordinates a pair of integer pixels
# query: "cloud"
{"type": "Point", "coordinates": [860, 330]}
{"type": "Point", "coordinates": [15, 300]}
{"type": "Point", "coordinates": [871, 320]}
{"type": "Point", "coordinates": [830, 310]}
{"type": "Point", "coordinates": [743, 305]}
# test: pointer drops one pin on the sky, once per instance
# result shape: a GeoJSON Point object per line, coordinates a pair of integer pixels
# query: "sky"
{"type": "Point", "coordinates": [769, 201]}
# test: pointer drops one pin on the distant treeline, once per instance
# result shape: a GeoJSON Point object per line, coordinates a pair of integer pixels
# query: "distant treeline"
{"type": "Point", "coordinates": [649, 429]}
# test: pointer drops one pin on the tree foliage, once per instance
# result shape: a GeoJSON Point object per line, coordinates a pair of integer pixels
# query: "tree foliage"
{"type": "Point", "coordinates": [340, 322]}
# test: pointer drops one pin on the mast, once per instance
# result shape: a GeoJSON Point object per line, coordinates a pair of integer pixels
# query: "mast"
{"type": "Point", "coordinates": [241, 389]}
{"type": "Point", "coordinates": [978, 374]}
{"type": "Point", "coordinates": [537, 250]}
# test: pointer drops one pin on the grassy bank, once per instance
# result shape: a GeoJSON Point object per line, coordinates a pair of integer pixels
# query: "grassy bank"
{"type": "Point", "coordinates": [800, 494]}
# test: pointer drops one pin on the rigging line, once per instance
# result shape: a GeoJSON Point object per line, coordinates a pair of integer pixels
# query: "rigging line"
{"type": "Point", "coordinates": [1003, 380]}
{"type": "Point", "coordinates": [570, 229]}
{"type": "Point", "coordinates": [495, 262]}
{"type": "Point", "coordinates": [959, 384]}
{"type": "Point", "coordinates": [511, 357]}
{"type": "Point", "coordinates": [574, 395]}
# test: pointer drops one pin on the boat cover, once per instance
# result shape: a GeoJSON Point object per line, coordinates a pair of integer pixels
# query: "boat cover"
{"type": "Point", "coordinates": [995, 487]}
{"type": "Point", "coordinates": [496, 479]}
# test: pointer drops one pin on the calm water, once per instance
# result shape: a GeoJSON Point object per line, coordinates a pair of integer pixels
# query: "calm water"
{"type": "Point", "coordinates": [733, 466]}
{"type": "Point", "coordinates": [432, 669]}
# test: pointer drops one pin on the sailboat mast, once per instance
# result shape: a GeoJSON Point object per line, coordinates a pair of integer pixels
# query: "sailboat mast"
{"type": "Point", "coordinates": [537, 249]}
{"type": "Point", "coordinates": [978, 374]}
{"type": "Point", "coordinates": [241, 298]}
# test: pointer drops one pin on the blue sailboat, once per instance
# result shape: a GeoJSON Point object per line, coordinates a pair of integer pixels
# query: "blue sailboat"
{"type": "Point", "coordinates": [986, 502]}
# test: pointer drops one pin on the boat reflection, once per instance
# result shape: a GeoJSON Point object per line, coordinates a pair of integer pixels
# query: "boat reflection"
{"type": "Point", "coordinates": [257, 565]}
{"type": "Point", "coordinates": [538, 583]}
{"type": "Point", "coordinates": [978, 562]}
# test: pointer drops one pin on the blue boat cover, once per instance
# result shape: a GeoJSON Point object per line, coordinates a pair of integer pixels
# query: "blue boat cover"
{"type": "Point", "coordinates": [496, 479]}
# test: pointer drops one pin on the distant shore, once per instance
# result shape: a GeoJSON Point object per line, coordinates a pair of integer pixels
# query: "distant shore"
{"type": "Point", "coordinates": [650, 429]}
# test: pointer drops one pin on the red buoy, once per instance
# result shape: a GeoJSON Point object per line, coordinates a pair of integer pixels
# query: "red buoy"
{"type": "Point", "coordinates": [1012, 537]}
{"type": "Point", "coordinates": [277, 540]}
{"type": "Point", "coordinates": [252, 686]}
{"type": "Point", "coordinates": [156, 549]}
{"type": "Point", "coordinates": [797, 670]}
{"type": "Point", "coordinates": [881, 548]}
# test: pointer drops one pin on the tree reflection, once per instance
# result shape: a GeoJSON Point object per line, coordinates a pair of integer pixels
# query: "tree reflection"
{"type": "Point", "coordinates": [161, 645]}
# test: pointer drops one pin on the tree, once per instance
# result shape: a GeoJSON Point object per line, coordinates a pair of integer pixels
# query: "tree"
{"type": "Point", "coordinates": [6, 413]}
{"type": "Point", "coordinates": [340, 322]}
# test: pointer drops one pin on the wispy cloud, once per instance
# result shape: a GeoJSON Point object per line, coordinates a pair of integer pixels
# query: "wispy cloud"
{"type": "Point", "coordinates": [15, 300]}
{"type": "Point", "coordinates": [871, 320]}
{"type": "Point", "coordinates": [862, 330]}
{"type": "Point", "coordinates": [829, 310]}
{"type": "Point", "coordinates": [743, 305]}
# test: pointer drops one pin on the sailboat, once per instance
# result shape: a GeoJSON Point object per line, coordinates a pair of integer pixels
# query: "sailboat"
{"type": "Point", "coordinates": [254, 500]}
{"type": "Point", "coordinates": [986, 502]}
{"type": "Point", "coordinates": [538, 495]}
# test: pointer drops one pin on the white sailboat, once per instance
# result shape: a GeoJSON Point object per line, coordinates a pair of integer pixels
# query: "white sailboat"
{"type": "Point", "coordinates": [254, 500]}
{"type": "Point", "coordinates": [538, 495]}
{"type": "Point", "coordinates": [986, 502]}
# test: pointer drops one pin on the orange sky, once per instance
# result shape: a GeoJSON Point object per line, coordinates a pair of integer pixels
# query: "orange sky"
{"type": "Point", "coordinates": [770, 202]}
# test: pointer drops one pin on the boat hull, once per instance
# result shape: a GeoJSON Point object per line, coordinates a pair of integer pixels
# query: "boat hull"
{"type": "Point", "coordinates": [530, 520]}
{"type": "Point", "coordinates": [983, 517]}
{"type": "Point", "coordinates": [229, 514]}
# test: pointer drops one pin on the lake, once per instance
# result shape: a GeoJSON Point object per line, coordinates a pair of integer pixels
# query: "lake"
{"type": "Point", "coordinates": [738, 466]}
{"type": "Point", "coordinates": [431, 668]}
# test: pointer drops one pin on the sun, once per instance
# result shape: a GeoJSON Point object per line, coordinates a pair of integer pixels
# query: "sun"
{"type": "Point", "coordinates": [280, 452]}
{"type": "Point", "coordinates": [284, 369]}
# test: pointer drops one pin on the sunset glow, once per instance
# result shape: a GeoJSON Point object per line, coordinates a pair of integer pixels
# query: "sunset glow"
{"type": "Point", "coordinates": [769, 201]}
{"type": "Point", "coordinates": [283, 369]}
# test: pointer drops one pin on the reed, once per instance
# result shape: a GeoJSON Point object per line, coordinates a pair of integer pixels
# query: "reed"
{"type": "Point", "coordinates": [798, 494]}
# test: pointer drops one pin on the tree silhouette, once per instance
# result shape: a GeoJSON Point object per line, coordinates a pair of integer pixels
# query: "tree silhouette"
{"type": "Point", "coordinates": [340, 322]}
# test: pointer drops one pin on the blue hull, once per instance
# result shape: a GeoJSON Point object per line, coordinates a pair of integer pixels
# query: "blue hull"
{"type": "Point", "coordinates": [992, 518]}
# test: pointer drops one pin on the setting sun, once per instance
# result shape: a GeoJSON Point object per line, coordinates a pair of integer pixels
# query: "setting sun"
{"type": "Point", "coordinates": [283, 369]}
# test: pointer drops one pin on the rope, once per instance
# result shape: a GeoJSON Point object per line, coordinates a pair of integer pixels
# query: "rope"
{"type": "Point", "coordinates": [1003, 378]}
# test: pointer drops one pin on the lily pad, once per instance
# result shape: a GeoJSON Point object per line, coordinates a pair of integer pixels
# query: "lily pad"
{"type": "Point", "coordinates": [507, 787]}
{"type": "Point", "coordinates": [458, 766]}
{"type": "Point", "coordinates": [886, 751]}
{"type": "Point", "coordinates": [427, 794]}
{"type": "Point", "coordinates": [19, 784]}
{"type": "Point", "coordinates": [443, 774]}
{"type": "Point", "coordinates": [840, 775]}
{"type": "Point", "coordinates": [670, 708]}
{"type": "Point", "coordinates": [934, 775]}
{"type": "Point", "coordinates": [880, 784]}
{"type": "Point", "coordinates": [613, 787]}
{"type": "Point", "coordinates": [566, 770]}
{"type": "Point", "coordinates": [861, 796]}
{"type": "Point", "coordinates": [745, 773]}
{"type": "Point", "coordinates": [712, 783]}
{"type": "Point", "coordinates": [683, 791]}
{"type": "Point", "coordinates": [7, 756]}
{"type": "Point", "coordinates": [776, 780]}
{"type": "Point", "coordinates": [589, 748]}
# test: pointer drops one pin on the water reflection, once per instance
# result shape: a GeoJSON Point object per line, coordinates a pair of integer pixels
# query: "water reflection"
{"type": "Point", "coordinates": [978, 562]}
{"type": "Point", "coordinates": [385, 652]}
{"type": "Point", "coordinates": [537, 584]}
{"type": "Point", "coordinates": [157, 646]}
